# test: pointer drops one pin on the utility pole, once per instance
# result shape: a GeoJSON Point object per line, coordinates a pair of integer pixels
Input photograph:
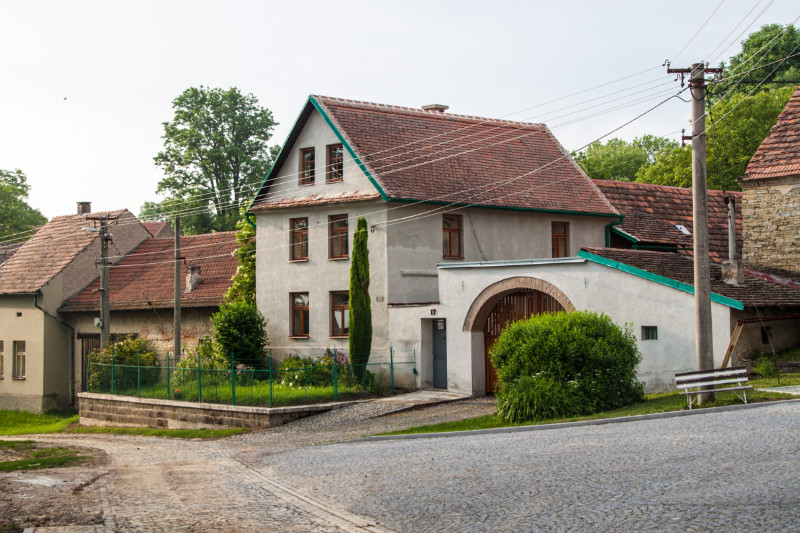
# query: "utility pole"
{"type": "Point", "coordinates": [702, 276]}
{"type": "Point", "coordinates": [177, 308]}
{"type": "Point", "coordinates": [105, 310]}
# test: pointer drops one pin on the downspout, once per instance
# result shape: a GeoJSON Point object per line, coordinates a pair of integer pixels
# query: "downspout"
{"type": "Point", "coordinates": [608, 229]}
{"type": "Point", "coordinates": [71, 345]}
{"type": "Point", "coordinates": [247, 218]}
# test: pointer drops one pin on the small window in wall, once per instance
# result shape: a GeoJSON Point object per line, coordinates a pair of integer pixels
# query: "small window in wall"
{"type": "Point", "coordinates": [338, 236]}
{"type": "Point", "coordinates": [307, 166]}
{"type": "Point", "coordinates": [451, 236]}
{"type": "Point", "coordinates": [340, 314]}
{"type": "Point", "coordinates": [2, 354]}
{"type": "Point", "coordinates": [649, 333]}
{"type": "Point", "coordinates": [766, 335]}
{"type": "Point", "coordinates": [335, 163]}
{"type": "Point", "coordinates": [299, 314]}
{"type": "Point", "coordinates": [298, 239]}
{"type": "Point", "coordinates": [560, 234]}
{"type": "Point", "coordinates": [18, 366]}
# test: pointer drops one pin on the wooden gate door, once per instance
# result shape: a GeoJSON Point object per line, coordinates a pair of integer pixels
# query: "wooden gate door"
{"type": "Point", "coordinates": [89, 342]}
{"type": "Point", "coordinates": [518, 305]}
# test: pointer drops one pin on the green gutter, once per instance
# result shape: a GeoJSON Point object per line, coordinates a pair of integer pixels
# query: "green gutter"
{"type": "Point", "coordinates": [247, 218]}
{"type": "Point", "coordinates": [609, 227]}
{"type": "Point", "coordinates": [344, 142]}
{"type": "Point", "coordinates": [669, 282]}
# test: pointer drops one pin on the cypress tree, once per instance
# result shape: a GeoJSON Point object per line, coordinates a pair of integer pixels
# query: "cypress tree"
{"type": "Point", "coordinates": [360, 309]}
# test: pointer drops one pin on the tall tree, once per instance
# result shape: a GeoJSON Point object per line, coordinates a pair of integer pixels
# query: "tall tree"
{"type": "Point", "coordinates": [360, 307]}
{"type": "Point", "coordinates": [768, 55]}
{"type": "Point", "coordinates": [16, 216]}
{"type": "Point", "coordinates": [215, 152]}
{"type": "Point", "coordinates": [621, 160]}
{"type": "Point", "coordinates": [736, 127]}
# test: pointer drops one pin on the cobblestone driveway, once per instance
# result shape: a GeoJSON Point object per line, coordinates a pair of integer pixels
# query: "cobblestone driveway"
{"type": "Point", "coordinates": [726, 471]}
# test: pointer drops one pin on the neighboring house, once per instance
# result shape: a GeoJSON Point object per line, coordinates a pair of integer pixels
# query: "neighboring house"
{"type": "Point", "coordinates": [51, 267]}
{"type": "Point", "coordinates": [7, 250]}
{"type": "Point", "coordinates": [435, 188]}
{"type": "Point", "coordinates": [659, 218]}
{"type": "Point", "coordinates": [771, 198]}
{"type": "Point", "coordinates": [141, 293]}
{"type": "Point", "coordinates": [160, 230]}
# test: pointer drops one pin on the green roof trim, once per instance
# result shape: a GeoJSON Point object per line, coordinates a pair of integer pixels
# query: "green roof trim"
{"type": "Point", "coordinates": [347, 145]}
{"type": "Point", "coordinates": [504, 207]}
{"type": "Point", "coordinates": [669, 282]}
{"type": "Point", "coordinates": [626, 236]}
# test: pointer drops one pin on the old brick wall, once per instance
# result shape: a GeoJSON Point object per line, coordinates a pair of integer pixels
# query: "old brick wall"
{"type": "Point", "coordinates": [771, 225]}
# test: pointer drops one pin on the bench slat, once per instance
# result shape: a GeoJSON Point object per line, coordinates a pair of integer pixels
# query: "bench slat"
{"type": "Point", "coordinates": [716, 390]}
{"type": "Point", "coordinates": [711, 383]}
{"type": "Point", "coordinates": [711, 373]}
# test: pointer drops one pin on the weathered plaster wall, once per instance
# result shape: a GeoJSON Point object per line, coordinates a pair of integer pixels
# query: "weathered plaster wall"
{"type": "Point", "coordinates": [415, 245]}
{"type": "Point", "coordinates": [771, 224]}
{"type": "Point", "coordinates": [624, 297]}
{"type": "Point", "coordinates": [24, 394]}
{"type": "Point", "coordinates": [784, 334]}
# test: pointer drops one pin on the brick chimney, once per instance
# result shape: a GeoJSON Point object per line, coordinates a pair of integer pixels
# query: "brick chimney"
{"type": "Point", "coordinates": [84, 208]}
{"type": "Point", "coordinates": [436, 107]}
{"type": "Point", "coordinates": [193, 278]}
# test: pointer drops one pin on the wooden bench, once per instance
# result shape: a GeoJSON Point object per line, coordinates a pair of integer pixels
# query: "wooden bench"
{"type": "Point", "coordinates": [693, 383]}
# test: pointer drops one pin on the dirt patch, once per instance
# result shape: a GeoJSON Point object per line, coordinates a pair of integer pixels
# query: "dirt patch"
{"type": "Point", "coordinates": [63, 496]}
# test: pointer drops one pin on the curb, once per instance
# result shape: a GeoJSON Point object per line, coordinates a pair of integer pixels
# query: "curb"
{"type": "Point", "coordinates": [581, 423]}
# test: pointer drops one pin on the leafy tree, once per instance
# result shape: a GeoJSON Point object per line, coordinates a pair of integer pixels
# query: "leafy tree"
{"type": "Point", "coordinates": [736, 127]}
{"type": "Point", "coordinates": [243, 287]}
{"type": "Point", "coordinates": [762, 53]}
{"type": "Point", "coordinates": [215, 153]}
{"type": "Point", "coordinates": [240, 328]}
{"type": "Point", "coordinates": [360, 307]}
{"type": "Point", "coordinates": [16, 215]}
{"type": "Point", "coordinates": [620, 160]}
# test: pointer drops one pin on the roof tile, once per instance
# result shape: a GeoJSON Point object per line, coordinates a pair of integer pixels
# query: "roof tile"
{"type": "Point", "coordinates": [778, 155]}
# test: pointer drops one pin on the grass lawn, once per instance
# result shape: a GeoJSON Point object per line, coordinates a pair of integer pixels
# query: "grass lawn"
{"type": "Point", "coordinates": [28, 457]}
{"type": "Point", "coordinates": [653, 403]}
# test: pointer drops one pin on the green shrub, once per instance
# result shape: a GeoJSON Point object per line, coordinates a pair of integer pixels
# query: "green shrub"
{"type": "Point", "coordinates": [583, 351]}
{"type": "Point", "coordinates": [240, 329]}
{"type": "Point", "coordinates": [297, 371]}
{"type": "Point", "coordinates": [539, 397]}
{"type": "Point", "coordinates": [765, 367]}
{"type": "Point", "coordinates": [126, 355]}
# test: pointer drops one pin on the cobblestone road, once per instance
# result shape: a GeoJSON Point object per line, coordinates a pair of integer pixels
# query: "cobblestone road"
{"type": "Point", "coordinates": [725, 471]}
{"type": "Point", "coordinates": [718, 472]}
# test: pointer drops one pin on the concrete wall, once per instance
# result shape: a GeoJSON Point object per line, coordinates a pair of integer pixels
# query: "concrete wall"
{"type": "Point", "coordinates": [415, 246]}
{"type": "Point", "coordinates": [277, 277]}
{"type": "Point", "coordinates": [784, 334]}
{"type": "Point", "coordinates": [24, 394]}
{"type": "Point", "coordinates": [770, 224]}
{"type": "Point", "coordinates": [624, 297]}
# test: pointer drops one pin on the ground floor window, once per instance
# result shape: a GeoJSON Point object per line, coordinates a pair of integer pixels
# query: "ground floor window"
{"type": "Point", "coordinates": [340, 314]}
{"type": "Point", "coordinates": [18, 365]}
{"type": "Point", "coordinates": [300, 307]}
{"type": "Point", "coordinates": [2, 352]}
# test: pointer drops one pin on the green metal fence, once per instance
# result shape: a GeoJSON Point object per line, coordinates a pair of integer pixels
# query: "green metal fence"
{"type": "Point", "coordinates": [267, 387]}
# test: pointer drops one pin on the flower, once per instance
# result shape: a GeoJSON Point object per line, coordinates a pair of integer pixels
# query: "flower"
{"type": "Point", "coordinates": [177, 391]}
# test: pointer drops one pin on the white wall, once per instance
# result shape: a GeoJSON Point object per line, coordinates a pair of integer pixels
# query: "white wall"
{"type": "Point", "coordinates": [624, 297]}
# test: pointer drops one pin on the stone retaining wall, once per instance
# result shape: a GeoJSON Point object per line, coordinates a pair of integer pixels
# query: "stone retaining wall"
{"type": "Point", "coordinates": [109, 410]}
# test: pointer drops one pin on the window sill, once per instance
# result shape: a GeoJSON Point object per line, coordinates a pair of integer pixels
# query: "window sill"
{"type": "Point", "coordinates": [339, 336]}
{"type": "Point", "coordinates": [453, 258]}
{"type": "Point", "coordinates": [311, 184]}
{"type": "Point", "coordinates": [300, 337]}
{"type": "Point", "coordinates": [299, 260]}
{"type": "Point", "coordinates": [343, 258]}
{"type": "Point", "coordinates": [18, 379]}
{"type": "Point", "coordinates": [334, 181]}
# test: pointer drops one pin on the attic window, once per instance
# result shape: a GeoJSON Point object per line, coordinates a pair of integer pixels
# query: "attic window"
{"type": "Point", "coordinates": [307, 166]}
{"type": "Point", "coordinates": [335, 163]}
{"type": "Point", "coordinates": [683, 229]}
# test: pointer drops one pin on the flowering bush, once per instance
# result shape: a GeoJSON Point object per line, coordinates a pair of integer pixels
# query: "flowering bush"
{"type": "Point", "coordinates": [298, 371]}
{"type": "Point", "coordinates": [126, 355]}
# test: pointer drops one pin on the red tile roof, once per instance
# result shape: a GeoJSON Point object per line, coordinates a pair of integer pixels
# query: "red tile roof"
{"type": "Point", "coordinates": [779, 154]}
{"type": "Point", "coordinates": [145, 278]}
{"type": "Point", "coordinates": [156, 228]}
{"type": "Point", "coordinates": [653, 212]}
{"type": "Point", "coordinates": [757, 290]}
{"type": "Point", "coordinates": [318, 199]}
{"type": "Point", "coordinates": [48, 252]}
{"type": "Point", "coordinates": [7, 250]}
{"type": "Point", "coordinates": [431, 156]}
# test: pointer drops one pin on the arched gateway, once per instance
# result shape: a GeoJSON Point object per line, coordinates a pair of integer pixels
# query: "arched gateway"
{"type": "Point", "coordinates": [507, 301]}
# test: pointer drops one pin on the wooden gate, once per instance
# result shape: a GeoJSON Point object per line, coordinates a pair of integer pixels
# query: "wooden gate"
{"type": "Point", "coordinates": [515, 306]}
{"type": "Point", "coordinates": [89, 342]}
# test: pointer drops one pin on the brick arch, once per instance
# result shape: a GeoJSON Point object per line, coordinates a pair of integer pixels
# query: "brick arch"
{"type": "Point", "coordinates": [482, 306]}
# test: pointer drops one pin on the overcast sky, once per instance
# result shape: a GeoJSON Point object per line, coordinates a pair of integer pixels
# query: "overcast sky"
{"type": "Point", "coordinates": [86, 86]}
